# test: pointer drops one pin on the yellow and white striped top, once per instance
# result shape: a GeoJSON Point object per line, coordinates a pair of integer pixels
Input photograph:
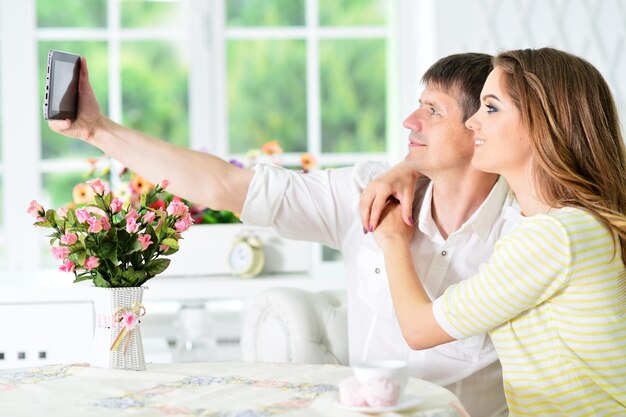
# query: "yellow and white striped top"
{"type": "Point", "coordinates": [553, 298]}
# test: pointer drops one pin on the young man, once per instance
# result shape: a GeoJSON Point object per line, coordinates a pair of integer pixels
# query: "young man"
{"type": "Point", "coordinates": [459, 213]}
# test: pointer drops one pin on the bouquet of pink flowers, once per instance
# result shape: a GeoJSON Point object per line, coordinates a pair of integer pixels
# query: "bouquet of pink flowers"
{"type": "Point", "coordinates": [111, 244]}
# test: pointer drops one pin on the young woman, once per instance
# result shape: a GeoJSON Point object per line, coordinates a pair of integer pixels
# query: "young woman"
{"type": "Point", "coordinates": [553, 294]}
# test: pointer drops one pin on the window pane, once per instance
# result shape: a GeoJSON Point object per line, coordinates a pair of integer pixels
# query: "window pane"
{"type": "Point", "coordinates": [139, 13]}
{"type": "Point", "coordinates": [71, 13]}
{"type": "Point", "coordinates": [57, 188]}
{"type": "Point", "coordinates": [265, 12]}
{"type": "Point", "coordinates": [154, 90]}
{"type": "Point", "coordinates": [267, 94]}
{"type": "Point", "coordinates": [353, 95]}
{"type": "Point", "coordinates": [352, 12]}
{"type": "Point", "coordinates": [54, 145]}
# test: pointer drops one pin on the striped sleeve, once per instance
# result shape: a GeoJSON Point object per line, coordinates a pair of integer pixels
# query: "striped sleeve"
{"type": "Point", "coordinates": [526, 268]}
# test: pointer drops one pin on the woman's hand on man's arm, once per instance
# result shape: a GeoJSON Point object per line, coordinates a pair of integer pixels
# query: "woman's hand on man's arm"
{"type": "Point", "coordinates": [398, 183]}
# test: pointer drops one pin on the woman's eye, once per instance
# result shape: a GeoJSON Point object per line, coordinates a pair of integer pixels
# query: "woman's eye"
{"type": "Point", "coordinates": [490, 108]}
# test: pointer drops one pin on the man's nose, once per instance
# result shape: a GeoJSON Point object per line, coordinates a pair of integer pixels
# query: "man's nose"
{"type": "Point", "coordinates": [412, 122]}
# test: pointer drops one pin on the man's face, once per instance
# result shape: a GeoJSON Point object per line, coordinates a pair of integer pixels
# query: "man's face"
{"type": "Point", "coordinates": [439, 142]}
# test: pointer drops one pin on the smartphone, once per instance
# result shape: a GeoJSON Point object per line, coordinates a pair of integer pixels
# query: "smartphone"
{"type": "Point", "coordinates": [61, 95]}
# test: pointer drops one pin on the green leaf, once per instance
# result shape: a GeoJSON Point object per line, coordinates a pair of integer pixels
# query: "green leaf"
{"type": "Point", "coordinates": [157, 266]}
{"type": "Point", "coordinates": [106, 250]}
{"type": "Point", "coordinates": [71, 217]}
{"type": "Point", "coordinates": [99, 281]}
{"type": "Point", "coordinates": [51, 217]}
{"type": "Point", "coordinates": [99, 202]}
{"type": "Point", "coordinates": [172, 243]}
{"type": "Point", "coordinates": [131, 277]}
{"type": "Point", "coordinates": [107, 199]}
{"type": "Point", "coordinates": [170, 251]}
{"type": "Point", "coordinates": [82, 277]}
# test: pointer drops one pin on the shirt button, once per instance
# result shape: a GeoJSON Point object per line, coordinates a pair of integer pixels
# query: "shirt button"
{"type": "Point", "coordinates": [377, 270]}
{"type": "Point", "coordinates": [444, 253]}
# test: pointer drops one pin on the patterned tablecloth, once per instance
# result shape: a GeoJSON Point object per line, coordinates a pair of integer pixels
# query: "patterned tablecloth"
{"type": "Point", "coordinates": [220, 389]}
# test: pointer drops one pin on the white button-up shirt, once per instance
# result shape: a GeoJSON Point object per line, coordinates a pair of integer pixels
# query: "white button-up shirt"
{"type": "Point", "coordinates": [322, 206]}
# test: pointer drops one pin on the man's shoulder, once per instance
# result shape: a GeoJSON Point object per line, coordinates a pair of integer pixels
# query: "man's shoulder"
{"type": "Point", "coordinates": [365, 172]}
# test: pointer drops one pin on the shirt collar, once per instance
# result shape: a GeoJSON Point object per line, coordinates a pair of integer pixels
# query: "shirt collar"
{"type": "Point", "coordinates": [481, 220]}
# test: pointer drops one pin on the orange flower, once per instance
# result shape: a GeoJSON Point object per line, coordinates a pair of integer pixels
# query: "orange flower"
{"type": "Point", "coordinates": [82, 193]}
{"type": "Point", "coordinates": [271, 148]}
{"type": "Point", "coordinates": [140, 185]}
{"type": "Point", "coordinates": [307, 161]}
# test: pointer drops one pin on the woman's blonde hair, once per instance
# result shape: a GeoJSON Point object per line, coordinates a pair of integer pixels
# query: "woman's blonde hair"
{"type": "Point", "coordinates": [569, 112]}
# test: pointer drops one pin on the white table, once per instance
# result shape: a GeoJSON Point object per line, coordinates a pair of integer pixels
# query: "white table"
{"type": "Point", "coordinates": [220, 389]}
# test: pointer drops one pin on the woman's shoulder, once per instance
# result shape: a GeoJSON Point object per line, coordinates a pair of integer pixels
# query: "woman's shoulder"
{"type": "Point", "coordinates": [572, 222]}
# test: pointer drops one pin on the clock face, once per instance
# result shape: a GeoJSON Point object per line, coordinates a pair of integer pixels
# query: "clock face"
{"type": "Point", "coordinates": [241, 257]}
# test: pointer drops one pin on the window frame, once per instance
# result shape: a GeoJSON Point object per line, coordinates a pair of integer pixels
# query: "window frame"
{"type": "Point", "coordinates": [21, 167]}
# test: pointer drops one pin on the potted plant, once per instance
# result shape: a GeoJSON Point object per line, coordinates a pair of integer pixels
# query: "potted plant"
{"type": "Point", "coordinates": [118, 247]}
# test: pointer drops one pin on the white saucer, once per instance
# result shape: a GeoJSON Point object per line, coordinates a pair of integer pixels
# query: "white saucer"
{"type": "Point", "coordinates": [405, 402]}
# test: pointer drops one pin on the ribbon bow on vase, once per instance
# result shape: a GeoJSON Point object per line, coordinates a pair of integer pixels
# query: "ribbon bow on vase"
{"type": "Point", "coordinates": [128, 319]}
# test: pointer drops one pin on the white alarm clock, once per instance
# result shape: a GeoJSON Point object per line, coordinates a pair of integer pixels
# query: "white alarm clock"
{"type": "Point", "coordinates": [246, 257]}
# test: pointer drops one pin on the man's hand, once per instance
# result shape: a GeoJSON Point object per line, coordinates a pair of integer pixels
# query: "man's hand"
{"type": "Point", "coordinates": [88, 118]}
{"type": "Point", "coordinates": [392, 230]}
{"type": "Point", "coordinates": [399, 183]}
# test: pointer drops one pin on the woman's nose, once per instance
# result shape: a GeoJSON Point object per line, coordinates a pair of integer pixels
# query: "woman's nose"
{"type": "Point", "coordinates": [472, 123]}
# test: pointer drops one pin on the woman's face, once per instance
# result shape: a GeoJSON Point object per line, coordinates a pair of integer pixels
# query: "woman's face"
{"type": "Point", "coordinates": [501, 144]}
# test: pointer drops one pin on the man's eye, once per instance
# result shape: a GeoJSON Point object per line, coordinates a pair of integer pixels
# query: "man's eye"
{"type": "Point", "coordinates": [433, 111]}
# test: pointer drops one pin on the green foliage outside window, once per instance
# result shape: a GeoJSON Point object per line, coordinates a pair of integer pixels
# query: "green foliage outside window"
{"type": "Point", "coordinates": [267, 94]}
{"type": "Point", "coordinates": [353, 95]}
{"type": "Point", "coordinates": [265, 13]}
{"type": "Point", "coordinates": [154, 90]}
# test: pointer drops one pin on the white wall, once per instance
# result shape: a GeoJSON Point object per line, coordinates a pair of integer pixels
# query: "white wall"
{"type": "Point", "coordinates": [592, 29]}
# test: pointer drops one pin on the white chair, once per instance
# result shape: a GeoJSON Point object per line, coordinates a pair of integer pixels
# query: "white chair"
{"type": "Point", "coordinates": [293, 325]}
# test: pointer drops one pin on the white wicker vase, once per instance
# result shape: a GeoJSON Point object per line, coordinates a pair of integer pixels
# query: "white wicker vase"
{"type": "Point", "coordinates": [107, 303]}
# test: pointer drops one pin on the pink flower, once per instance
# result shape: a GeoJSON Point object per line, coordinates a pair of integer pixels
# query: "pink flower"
{"type": "Point", "coordinates": [34, 209]}
{"type": "Point", "coordinates": [131, 225]}
{"type": "Point", "coordinates": [177, 208]}
{"type": "Point", "coordinates": [62, 212]}
{"type": "Point", "coordinates": [148, 217]}
{"type": "Point", "coordinates": [91, 263]}
{"type": "Point", "coordinates": [163, 248]}
{"type": "Point", "coordinates": [94, 225]}
{"type": "Point", "coordinates": [129, 320]}
{"type": "Point", "coordinates": [105, 223]}
{"type": "Point", "coordinates": [98, 186]}
{"type": "Point", "coordinates": [82, 215]}
{"type": "Point", "coordinates": [60, 252]}
{"type": "Point", "coordinates": [69, 239]}
{"type": "Point", "coordinates": [145, 241]}
{"type": "Point", "coordinates": [184, 223]}
{"type": "Point", "coordinates": [116, 205]}
{"type": "Point", "coordinates": [68, 266]}
{"type": "Point", "coordinates": [163, 184]}
{"type": "Point", "coordinates": [132, 214]}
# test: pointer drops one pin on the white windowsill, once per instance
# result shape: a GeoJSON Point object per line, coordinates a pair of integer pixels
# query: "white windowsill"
{"type": "Point", "coordinates": [50, 286]}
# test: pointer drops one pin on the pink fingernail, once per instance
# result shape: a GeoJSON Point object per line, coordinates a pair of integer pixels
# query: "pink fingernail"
{"type": "Point", "coordinates": [371, 228]}
{"type": "Point", "coordinates": [411, 221]}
